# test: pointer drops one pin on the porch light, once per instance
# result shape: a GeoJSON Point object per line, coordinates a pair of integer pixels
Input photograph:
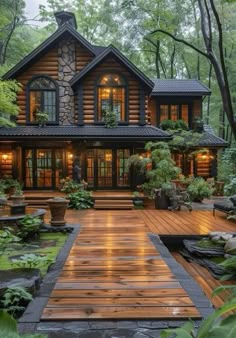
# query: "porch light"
{"type": "Point", "coordinates": [108, 157]}
{"type": "Point", "coordinates": [5, 157]}
{"type": "Point", "coordinates": [70, 156]}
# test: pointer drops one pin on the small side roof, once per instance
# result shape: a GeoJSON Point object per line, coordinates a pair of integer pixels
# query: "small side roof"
{"type": "Point", "coordinates": [177, 87]}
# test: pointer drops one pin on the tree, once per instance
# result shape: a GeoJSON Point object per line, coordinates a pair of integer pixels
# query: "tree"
{"type": "Point", "coordinates": [8, 107]}
{"type": "Point", "coordinates": [212, 33]}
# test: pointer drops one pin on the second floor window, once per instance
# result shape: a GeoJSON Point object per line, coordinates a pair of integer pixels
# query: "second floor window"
{"type": "Point", "coordinates": [111, 95]}
{"type": "Point", "coordinates": [42, 97]}
{"type": "Point", "coordinates": [174, 112]}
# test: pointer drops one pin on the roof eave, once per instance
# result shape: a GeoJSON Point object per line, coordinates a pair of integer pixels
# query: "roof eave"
{"type": "Point", "coordinates": [50, 40]}
{"type": "Point", "coordinates": [100, 57]}
{"type": "Point", "coordinates": [180, 93]}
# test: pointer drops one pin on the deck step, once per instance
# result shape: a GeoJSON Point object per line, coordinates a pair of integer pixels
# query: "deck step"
{"type": "Point", "coordinates": [113, 204]}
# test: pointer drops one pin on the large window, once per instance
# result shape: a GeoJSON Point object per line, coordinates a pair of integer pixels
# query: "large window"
{"type": "Point", "coordinates": [42, 96]}
{"type": "Point", "coordinates": [111, 92]}
{"type": "Point", "coordinates": [174, 112]}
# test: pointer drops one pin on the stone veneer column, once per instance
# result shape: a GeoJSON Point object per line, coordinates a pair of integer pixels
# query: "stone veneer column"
{"type": "Point", "coordinates": [66, 71]}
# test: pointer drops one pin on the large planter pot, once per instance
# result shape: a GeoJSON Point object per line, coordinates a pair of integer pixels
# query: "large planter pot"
{"type": "Point", "coordinates": [18, 199]}
{"type": "Point", "coordinates": [58, 208]}
{"type": "Point", "coordinates": [161, 200]}
{"type": "Point", "coordinates": [138, 202]}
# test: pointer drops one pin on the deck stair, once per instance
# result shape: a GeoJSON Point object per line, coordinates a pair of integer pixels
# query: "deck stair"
{"type": "Point", "coordinates": [37, 201]}
{"type": "Point", "coordinates": [113, 202]}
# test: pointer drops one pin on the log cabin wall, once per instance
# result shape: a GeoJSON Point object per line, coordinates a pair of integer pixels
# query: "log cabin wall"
{"type": "Point", "coordinates": [89, 97]}
{"type": "Point", "coordinates": [197, 108]}
{"type": "Point", "coordinates": [47, 65]}
{"type": "Point", "coordinates": [60, 63]}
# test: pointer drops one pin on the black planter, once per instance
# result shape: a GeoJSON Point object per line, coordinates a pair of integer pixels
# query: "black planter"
{"type": "Point", "coordinates": [161, 200]}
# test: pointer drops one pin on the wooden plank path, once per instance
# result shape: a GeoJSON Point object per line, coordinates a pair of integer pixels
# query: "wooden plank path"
{"type": "Point", "coordinates": [114, 271]}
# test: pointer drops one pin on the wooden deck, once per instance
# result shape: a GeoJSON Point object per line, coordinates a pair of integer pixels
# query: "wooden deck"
{"type": "Point", "coordinates": [114, 271]}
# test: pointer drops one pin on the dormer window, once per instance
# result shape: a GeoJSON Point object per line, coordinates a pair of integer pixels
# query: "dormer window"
{"type": "Point", "coordinates": [42, 97]}
{"type": "Point", "coordinates": [111, 96]}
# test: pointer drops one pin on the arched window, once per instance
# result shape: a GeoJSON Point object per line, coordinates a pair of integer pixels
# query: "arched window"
{"type": "Point", "coordinates": [111, 94]}
{"type": "Point", "coordinates": [42, 96]}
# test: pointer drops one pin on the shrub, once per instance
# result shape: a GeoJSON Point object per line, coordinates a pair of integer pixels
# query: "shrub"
{"type": "Point", "coordinates": [29, 227]}
{"type": "Point", "coordinates": [67, 185]}
{"type": "Point", "coordinates": [199, 189]}
{"type": "Point", "coordinates": [32, 261]}
{"type": "Point", "coordinates": [81, 199]}
{"type": "Point", "coordinates": [230, 189]}
{"type": "Point", "coordinates": [110, 120]}
{"type": "Point", "coordinates": [15, 300]}
{"type": "Point", "coordinates": [167, 124]}
{"type": "Point", "coordinates": [6, 237]}
{"type": "Point", "coordinates": [181, 124]}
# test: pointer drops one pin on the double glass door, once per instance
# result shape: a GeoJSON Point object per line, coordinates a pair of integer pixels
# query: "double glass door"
{"type": "Point", "coordinates": [107, 168]}
{"type": "Point", "coordinates": [43, 168]}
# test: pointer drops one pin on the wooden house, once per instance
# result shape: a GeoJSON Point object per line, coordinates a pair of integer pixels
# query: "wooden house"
{"type": "Point", "coordinates": [75, 82]}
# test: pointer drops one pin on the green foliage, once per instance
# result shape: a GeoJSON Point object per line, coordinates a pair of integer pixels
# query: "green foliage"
{"type": "Point", "coordinates": [230, 189]}
{"type": "Point", "coordinates": [6, 237]}
{"type": "Point", "coordinates": [110, 120]}
{"type": "Point", "coordinates": [8, 107]}
{"type": "Point", "coordinates": [167, 124]}
{"type": "Point", "coordinates": [8, 184]}
{"type": "Point", "coordinates": [227, 164]}
{"type": "Point", "coordinates": [15, 300]}
{"type": "Point", "coordinates": [29, 227]}
{"type": "Point", "coordinates": [41, 118]}
{"type": "Point", "coordinates": [213, 326]}
{"type": "Point", "coordinates": [79, 200]}
{"type": "Point", "coordinates": [8, 326]}
{"type": "Point", "coordinates": [68, 185]}
{"type": "Point", "coordinates": [32, 261]}
{"type": "Point", "coordinates": [230, 267]}
{"type": "Point", "coordinates": [138, 163]}
{"type": "Point", "coordinates": [164, 169]}
{"type": "Point", "coordinates": [199, 189]}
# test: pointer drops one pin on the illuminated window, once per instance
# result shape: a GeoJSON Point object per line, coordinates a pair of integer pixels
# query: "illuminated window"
{"type": "Point", "coordinates": [174, 112]}
{"type": "Point", "coordinates": [42, 97]}
{"type": "Point", "coordinates": [111, 91]}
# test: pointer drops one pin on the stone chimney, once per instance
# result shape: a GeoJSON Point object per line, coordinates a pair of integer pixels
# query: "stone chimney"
{"type": "Point", "coordinates": [65, 17]}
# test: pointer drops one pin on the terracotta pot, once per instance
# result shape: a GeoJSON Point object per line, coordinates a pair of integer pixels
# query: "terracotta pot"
{"type": "Point", "coordinates": [58, 208]}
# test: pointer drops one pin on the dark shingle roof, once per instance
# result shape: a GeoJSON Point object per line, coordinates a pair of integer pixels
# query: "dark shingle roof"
{"type": "Point", "coordinates": [176, 87]}
{"type": "Point", "coordinates": [207, 128]}
{"type": "Point", "coordinates": [89, 132]}
{"type": "Point", "coordinates": [212, 140]}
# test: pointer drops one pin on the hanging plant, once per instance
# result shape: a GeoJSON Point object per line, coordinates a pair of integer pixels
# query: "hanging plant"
{"type": "Point", "coordinates": [110, 120]}
{"type": "Point", "coordinates": [41, 118]}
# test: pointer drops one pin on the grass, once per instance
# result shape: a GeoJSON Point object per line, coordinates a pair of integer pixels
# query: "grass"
{"type": "Point", "coordinates": [58, 240]}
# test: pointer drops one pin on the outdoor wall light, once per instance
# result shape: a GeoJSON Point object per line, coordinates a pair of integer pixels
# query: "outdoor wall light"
{"type": "Point", "coordinates": [5, 157]}
{"type": "Point", "coordinates": [70, 156]}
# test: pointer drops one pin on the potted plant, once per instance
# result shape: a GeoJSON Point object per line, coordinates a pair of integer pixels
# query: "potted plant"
{"type": "Point", "coordinates": [199, 189]}
{"type": "Point", "coordinates": [41, 118]}
{"type": "Point", "coordinates": [18, 197]}
{"type": "Point", "coordinates": [159, 178]}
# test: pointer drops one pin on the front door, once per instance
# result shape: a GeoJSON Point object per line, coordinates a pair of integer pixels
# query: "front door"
{"type": "Point", "coordinates": [43, 168]}
{"type": "Point", "coordinates": [107, 168]}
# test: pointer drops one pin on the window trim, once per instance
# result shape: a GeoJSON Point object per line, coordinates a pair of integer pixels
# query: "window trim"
{"type": "Point", "coordinates": [28, 90]}
{"type": "Point", "coordinates": [179, 105]}
{"type": "Point", "coordinates": [125, 86]}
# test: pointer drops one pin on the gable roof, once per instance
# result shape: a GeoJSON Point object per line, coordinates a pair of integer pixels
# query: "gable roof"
{"type": "Point", "coordinates": [41, 49]}
{"type": "Point", "coordinates": [177, 87]}
{"type": "Point", "coordinates": [100, 57]}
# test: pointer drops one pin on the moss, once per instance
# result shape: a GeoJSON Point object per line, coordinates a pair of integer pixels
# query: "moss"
{"type": "Point", "coordinates": [206, 243]}
{"type": "Point", "coordinates": [52, 251]}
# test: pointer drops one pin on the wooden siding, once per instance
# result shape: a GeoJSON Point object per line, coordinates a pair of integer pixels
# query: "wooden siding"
{"type": "Point", "coordinates": [152, 108]}
{"type": "Point", "coordinates": [6, 163]}
{"type": "Point", "coordinates": [47, 65]}
{"type": "Point", "coordinates": [197, 109]}
{"type": "Point", "coordinates": [89, 105]}
{"type": "Point", "coordinates": [83, 57]}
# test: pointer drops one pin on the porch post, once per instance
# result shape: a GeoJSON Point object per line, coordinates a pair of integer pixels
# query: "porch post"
{"type": "Point", "coordinates": [80, 105]}
{"type": "Point", "coordinates": [142, 121]}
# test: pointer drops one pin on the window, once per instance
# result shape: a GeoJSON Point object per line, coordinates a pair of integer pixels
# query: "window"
{"type": "Point", "coordinates": [174, 112]}
{"type": "Point", "coordinates": [111, 91]}
{"type": "Point", "coordinates": [42, 96]}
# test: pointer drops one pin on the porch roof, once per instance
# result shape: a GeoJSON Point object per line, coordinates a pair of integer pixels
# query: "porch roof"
{"type": "Point", "coordinates": [209, 139]}
{"type": "Point", "coordinates": [131, 132]}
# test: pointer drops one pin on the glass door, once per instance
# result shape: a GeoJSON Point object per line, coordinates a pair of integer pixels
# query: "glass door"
{"type": "Point", "coordinates": [107, 168]}
{"type": "Point", "coordinates": [43, 168]}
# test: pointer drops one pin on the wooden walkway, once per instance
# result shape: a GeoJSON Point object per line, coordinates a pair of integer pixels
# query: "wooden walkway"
{"type": "Point", "coordinates": [114, 271]}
